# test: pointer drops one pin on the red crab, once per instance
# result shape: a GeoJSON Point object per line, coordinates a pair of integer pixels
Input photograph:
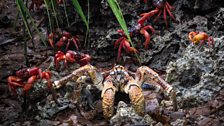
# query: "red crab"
{"type": "Point", "coordinates": [36, 3]}
{"type": "Point", "coordinates": [125, 44]}
{"type": "Point", "coordinates": [162, 6]}
{"type": "Point", "coordinates": [31, 75]}
{"type": "Point", "coordinates": [71, 57]}
{"type": "Point", "coordinates": [65, 38]}
{"type": "Point", "coordinates": [200, 37]}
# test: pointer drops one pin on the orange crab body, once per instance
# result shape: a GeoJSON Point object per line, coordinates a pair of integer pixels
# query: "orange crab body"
{"type": "Point", "coordinates": [200, 37]}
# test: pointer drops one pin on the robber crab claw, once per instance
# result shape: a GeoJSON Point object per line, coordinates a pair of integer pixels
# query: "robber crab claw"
{"type": "Point", "coordinates": [200, 38]}
{"type": "Point", "coordinates": [71, 57]}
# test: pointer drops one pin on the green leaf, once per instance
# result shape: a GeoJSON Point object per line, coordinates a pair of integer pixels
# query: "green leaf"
{"type": "Point", "coordinates": [81, 13]}
{"type": "Point", "coordinates": [79, 10]}
{"type": "Point", "coordinates": [118, 14]}
{"type": "Point", "coordinates": [26, 15]}
{"type": "Point", "coordinates": [114, 5]}
{"type": "Point", "coordinates": [22, 8]}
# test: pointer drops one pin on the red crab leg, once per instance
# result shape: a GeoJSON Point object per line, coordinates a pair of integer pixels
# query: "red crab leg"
{"type": "Point", "coordinates": [118, 41]}
{"type": "Point", "coordinates": [210, 40]}
{"type": "Point", "coordinates": [47, 76]}
{"type": "Point", "coordinates": [68, 44]}
{"type": "Point", "coordinates": [119, 50]}
{"type": "Point", "coordinates": [160, 11]}
{"type": "Point", "coordinates": [164, 16]}
{"type": "Point", "coordinates": [29, 84]}
{"type": "Point", "coordinates": [145, 16]}
{"type": "Point", "coordinates": [149, 27]}
{"type": "Point", "coordinates": [169, 6]}
{"type": "Point", "coordinates": [171, 15]}
{"type": "Point", "coordinates": [126, 45]}
{"type": "Point", "coordinates": [51, 39]}
{"type": "Point", "coordinates": [147, 38]}
{"type": "Point", "coordinates": [75, 43]}
{"type": "Point", "coordinates": [85, 60]}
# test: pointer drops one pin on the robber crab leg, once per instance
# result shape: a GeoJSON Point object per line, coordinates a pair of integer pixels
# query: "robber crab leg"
{"type": "Point", "coordinates": [144, 74]}
{"type": "Point", "coordinates": [75, 75]}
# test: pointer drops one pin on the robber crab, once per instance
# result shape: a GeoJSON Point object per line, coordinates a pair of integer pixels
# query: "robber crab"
{"type": "Point", "coordinates": [162, 6]}
{"type": "Point", "coordinates": [117, 79]}
{"type": "Point", "coordinates": [26, 78]}
{"type": "Point", "coordinates": [63, 38]}
{"type": "Point", "coordinates": [200, 38]}
{"type": "Point", "coordinates": [71, 57]}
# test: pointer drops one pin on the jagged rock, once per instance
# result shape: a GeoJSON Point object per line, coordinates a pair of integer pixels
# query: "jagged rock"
{"type": "Point", "coordinates": [126, 115]}
{"type": "Point", "coordinates": [197, 75]}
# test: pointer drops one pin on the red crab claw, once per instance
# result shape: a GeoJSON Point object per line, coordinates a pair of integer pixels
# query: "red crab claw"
{"type": "Point", "coordinates": [63, 40]}
{"type": "Point", "coordinates": [118, 41]}
{"type": "Point", "coordinates": [191, 35]}
{"type": "Point", "coordinates": [47, 75]}
{"type": "Point", "coordinates": [51, 39]}
{"type": "Point", "coordinates": [59, 56]}
{"type": "Point", "coordinates": [81, 58]}
{"type": "Point", "coordinates": [121, 31]}
{"type": "Point", "coordinates": [29, 84]}
{"type": "Point", "coordinates": [128, 48]}
{"type": "Point", "coordinates": [145, 16]}
{"type": "Point", "coordinates": [147, 35]}
{"type": "Point", "coordinates": [13, 83]}
{"type": "Point", "coordinates": [124, 43]}
{"type": "Point", "coordinates": [84, 60]}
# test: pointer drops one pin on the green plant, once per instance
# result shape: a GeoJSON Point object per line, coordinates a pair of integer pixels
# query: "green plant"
{"type": "Point", "coordinates": [26, 17]}
{"type": "Point", "coordinates": [114, 5]}
{"type": "Point", "coordinates": [81, 13]}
